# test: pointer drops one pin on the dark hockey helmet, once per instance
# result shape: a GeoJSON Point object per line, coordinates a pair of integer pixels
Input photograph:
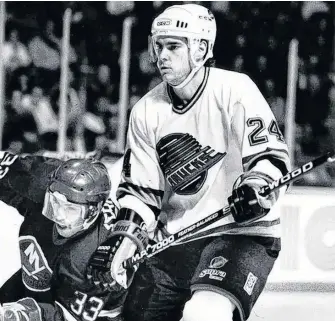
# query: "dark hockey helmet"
{"type": "Point", "coordinates": [82, 181]}
{"type": "Point", "coordinates": [76, 192]}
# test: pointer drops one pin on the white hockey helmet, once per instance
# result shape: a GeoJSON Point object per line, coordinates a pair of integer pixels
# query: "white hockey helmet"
{"type": "Point", "coordinates": [190, 21]}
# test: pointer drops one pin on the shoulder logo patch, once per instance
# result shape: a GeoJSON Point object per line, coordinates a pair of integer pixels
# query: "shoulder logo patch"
{"type": "Point", "coordinates": [36, 273]}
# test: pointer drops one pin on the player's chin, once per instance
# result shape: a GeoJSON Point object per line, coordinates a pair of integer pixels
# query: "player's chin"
{"type": "Point", "coordinates": [171, 80]}
{"type": "Point", "coordinates": [66, 231]}
{"type": "Point", "coordinates": [168, 77]}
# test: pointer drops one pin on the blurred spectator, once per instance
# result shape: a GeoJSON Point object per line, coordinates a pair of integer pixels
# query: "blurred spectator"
{"type": "Point", "coordinates": [101, 95]}
{"type": "Point", "coordinates": [15, 54]}
{"type": "Point", "coordinates": [19, 81]}
{"type": "Point", "coordinates": [120, 7]}
{"type": "Point", "coordinates": [135, 96]}
{"type": "Point", "coordinates": [147, 67]}
{"type": "Point", "coordinates": [220, 6]}
{"type": "Point", "coordinates": [20, 132]}
{"type": "Point", "coordinates": [262, 63]}
{"type": "Point", "coordinates": [23, 83]}
{"type": "Point", "coordinates": [260, 71]}
{"type": "Point", "coordinates": [158, 5]}
{"type": "Point", "coordinates": [311, 7]}
{"type": "Point", "coordinates": [44, 55]}
{"type": "Point", "coordinates": [282, 26]}
{"type": "Point", "coordinates": [45, 52]}
{"type": "Point", "coordinates": [74, 108]}
{"type": "Point", "coordinates": [312, 110]}
{"type": "Point", "coordinates": [276, 103]}
{"type": "Point", "coordinates": [331, 97]}
{"type": "Point", "coordinates": [39, 106]}
{"type": "Point", "coordinates": [94, 127]}
{"type": "Point", "coordinates": [241, 45]}
{"type": "Point", "coordinates": [101, 86]}
{"type": "Point", "coordinates": [238, 64]}
{"type": "Point", "coordinates": [118, 11]}
{"type": "Point", "coordinates": [272, 44]}
{"type": "Point", "coordinates": [319, 106]}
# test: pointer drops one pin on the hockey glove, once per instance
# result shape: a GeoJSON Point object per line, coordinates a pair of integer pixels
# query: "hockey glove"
{"type": "Point", "coordinates": [246, 205]}
{"type": "Point", "coordinates": [128, 236]}
{"type": "Point", "coordinates": [23, 310]}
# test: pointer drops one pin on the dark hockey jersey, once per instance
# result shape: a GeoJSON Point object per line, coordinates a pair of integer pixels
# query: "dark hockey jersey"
{"type": "Point", "coordinates": [53, 268]}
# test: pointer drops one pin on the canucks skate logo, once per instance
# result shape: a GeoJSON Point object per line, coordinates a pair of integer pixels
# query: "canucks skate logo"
{"type": "Point", "coordinates": [36, 273]}
{"type": "Point", "coordinates": [185, 162]}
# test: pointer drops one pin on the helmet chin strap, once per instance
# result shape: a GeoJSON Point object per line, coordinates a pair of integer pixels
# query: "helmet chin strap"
{"type": "Point", "coordinates": [195, 68]}
{"type": "Point", "coordinates": [188, 78]}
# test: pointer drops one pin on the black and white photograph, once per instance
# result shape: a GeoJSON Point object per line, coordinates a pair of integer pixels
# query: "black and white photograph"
{"type": "Point", "coordinates": [167, 160]}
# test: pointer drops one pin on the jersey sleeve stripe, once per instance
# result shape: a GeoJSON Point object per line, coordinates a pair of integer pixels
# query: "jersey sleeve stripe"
{"type": "Point", "coordinates": [278, 158]}
{"type": "Point", "coordinates": [151, 197]}
{"type": "Point", "coordinates": [142, 209]}
{"type": "Point", "coordinates": [153, 208]}
{"type": "Point", "coordinates": [148, 190]}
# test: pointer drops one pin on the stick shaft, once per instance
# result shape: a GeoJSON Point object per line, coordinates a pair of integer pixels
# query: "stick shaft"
{"type": "Point", "coordinates": [290, 177]}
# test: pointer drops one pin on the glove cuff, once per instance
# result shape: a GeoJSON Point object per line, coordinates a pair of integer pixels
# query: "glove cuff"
{"type": "Point", "coordinates": [25, 309]}
{"type": "Point", "coordinates": [252, 175]}
{"type": "Point", "coordinates": [133, 231]}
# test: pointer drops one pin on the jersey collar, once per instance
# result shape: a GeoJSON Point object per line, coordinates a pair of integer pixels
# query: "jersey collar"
{"type": "Point", "coordinates": [177, 105]}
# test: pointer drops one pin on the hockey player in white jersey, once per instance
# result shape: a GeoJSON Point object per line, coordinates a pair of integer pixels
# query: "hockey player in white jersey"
{"type": "Point", "coordinates": [200, 140]}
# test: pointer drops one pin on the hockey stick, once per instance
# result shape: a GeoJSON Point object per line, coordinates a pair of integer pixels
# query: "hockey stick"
{"type": "Point", "coordinates": [289, 178]}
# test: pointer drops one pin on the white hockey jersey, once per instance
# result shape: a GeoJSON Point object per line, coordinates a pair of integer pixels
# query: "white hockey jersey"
{"type": "Point", "coordinates": [182, 160]}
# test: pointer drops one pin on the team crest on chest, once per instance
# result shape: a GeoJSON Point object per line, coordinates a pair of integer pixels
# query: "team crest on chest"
{"type": "Point", "coordinates": [185, 162]}
{"type": "Point", "coordinates": [36, 273]}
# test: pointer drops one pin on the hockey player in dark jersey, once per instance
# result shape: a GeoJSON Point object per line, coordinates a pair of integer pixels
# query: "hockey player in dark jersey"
{"type": "Point", "coordinates": [67, 214]}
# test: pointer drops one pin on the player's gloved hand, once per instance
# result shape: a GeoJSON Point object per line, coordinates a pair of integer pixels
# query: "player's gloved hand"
{"type": "Point", "coordinates": [23, 310]}
{"type": "Point", "coordinates": [246, 205]}
{"type": "Point", "coordinates": [127, 237]}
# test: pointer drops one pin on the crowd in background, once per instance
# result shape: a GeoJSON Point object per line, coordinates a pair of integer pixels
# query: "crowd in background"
{"type": "Point", "coordinates": [252, 37]}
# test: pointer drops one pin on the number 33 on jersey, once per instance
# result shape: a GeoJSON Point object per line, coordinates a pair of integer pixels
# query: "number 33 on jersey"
{"type": "Point", "coordinates": [86, 307]}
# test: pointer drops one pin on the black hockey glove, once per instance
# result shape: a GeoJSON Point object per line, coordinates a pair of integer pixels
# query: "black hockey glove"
{"type": "Point", "coordinates": [128, 237]}
{"type": "Point", "coordinates": [246, 205]}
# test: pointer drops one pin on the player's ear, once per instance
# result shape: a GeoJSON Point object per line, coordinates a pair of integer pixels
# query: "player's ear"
{"type": "Point", "coordinates": [202, 50]}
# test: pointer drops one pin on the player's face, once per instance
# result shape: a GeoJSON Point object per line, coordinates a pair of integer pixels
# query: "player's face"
{"type": "Point", "coordinates": [68, 217]}
{"type": "Point", "coordinates": [68, 220]}
{"type": "Point", "coordinates": [172, 59]}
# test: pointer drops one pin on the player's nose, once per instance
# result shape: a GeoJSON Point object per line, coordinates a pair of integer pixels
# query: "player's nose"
{"type": "Point", "coordinates": [163, 54]}
{"type": "Point", "coordinates": [60, 215]}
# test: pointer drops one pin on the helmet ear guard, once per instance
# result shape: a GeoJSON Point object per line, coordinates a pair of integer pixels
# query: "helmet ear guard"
{"type": "Point", "coordinates": [151, 50]}
{"type": "Point", "coordinates": [92, 214]}
{"type": "Point", "coordinates": [199, 55]}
